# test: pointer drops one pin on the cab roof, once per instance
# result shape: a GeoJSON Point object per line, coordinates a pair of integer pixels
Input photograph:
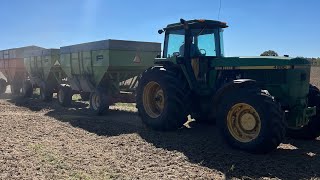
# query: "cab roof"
{"type": "Point", "coordinates": [198, 23]}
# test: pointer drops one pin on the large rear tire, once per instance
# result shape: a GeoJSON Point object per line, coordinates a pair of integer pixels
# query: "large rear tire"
{"type": "Point", "coordinates": [251, 120]}
{"type": "Point", "coordinates": [27, 89]}
{"type": "Point", "coordinates": [64, 95]}
{"type": "Point", "coordinates": [3, 86]}
{"type": "Point", "coordinates": [312, 129]}
{"type": "Point", "coordinates": [163, 98]}
{"type": "Point", "coordinates": [46, 93]}
{"type": "Point", "coordinates": [99, 102]}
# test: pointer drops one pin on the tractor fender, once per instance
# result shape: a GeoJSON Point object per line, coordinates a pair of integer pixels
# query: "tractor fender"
{"type": "Point", "coordinates": [229, 87]}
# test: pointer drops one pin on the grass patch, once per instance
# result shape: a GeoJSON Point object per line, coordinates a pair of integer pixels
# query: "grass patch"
{"type": "Point", "coordinates": [76, 97]}
{"type": "Point", "coordinates": [37, 148]}
{"type": "Point", "coordinates": [36, 91]}
{"type": "Point", "coordinates": [79, 175]}
{"type": "Point", "coordinates": [127, 105]}
{"type": "Point", "coordinates": [48, 157]}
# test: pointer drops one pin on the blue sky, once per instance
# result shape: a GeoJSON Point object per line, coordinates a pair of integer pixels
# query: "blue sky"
{"type": "Point", "coordinates": [286, 26]}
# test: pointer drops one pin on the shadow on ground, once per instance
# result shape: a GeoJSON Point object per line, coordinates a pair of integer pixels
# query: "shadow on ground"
{"type": "Point", "coordinates": [201, 144]}
{"type": "Point", "coordinates": [35, 104]}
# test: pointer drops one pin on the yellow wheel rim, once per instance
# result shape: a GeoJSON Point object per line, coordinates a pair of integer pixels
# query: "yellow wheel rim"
{"type": "Point", "coordinates": [243, 122]}
{"type": "Point", "coordinates": [153, 99]}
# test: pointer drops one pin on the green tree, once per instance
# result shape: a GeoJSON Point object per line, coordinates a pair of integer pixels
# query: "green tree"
{"type": "Point", "coordinates": [269, 53]}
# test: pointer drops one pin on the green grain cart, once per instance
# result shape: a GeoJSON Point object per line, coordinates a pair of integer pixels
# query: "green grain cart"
{"type": "Point", "coordinates": [44, 71]}
{"type": "Point", "coordinates": [254, 100]}
{"type": "Point", "coordinates": [104, 72]}
{"type": "Point", "coordinates": [12, 67]}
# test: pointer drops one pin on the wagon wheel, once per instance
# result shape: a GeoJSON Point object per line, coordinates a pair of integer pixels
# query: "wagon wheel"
{"type": "Point", "coordinates": [65, 95]}
{"type": "Point", "coordinates": [15, 89]}
{"type": "Point", "coordinates": [27, 89]}
{"type": "Point", "coordinates": [3, 86]}
{"type": "Point", "coordinates": [99, 102]}
{"type": "Point", "coordinates": [46, 93]}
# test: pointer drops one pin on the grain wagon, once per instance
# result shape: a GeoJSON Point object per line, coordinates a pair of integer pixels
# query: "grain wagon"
{"type": "Point", "coordinates": [12, 67]}
{"type": "Point", "coordinates": [107, 70]}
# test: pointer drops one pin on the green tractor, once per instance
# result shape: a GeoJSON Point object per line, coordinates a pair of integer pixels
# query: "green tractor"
{"type": "Point", "coordinates": [255, 101]}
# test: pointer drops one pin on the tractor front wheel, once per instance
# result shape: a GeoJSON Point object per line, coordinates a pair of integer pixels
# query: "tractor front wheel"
{"type": "Point", "coordinates": [65, 95]}
{"type": "Point", "coordinates": [163, 98]}
{"type": "Point", "coordinates": [251, 120]}
{"type": "Point", "coordinates": [312, 129]}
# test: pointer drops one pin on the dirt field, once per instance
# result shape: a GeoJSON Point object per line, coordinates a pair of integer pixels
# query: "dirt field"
{"type": "Point", "coordinates": [45, 141]}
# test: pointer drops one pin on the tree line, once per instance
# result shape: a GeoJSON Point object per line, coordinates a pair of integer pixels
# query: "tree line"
{"type": "Point", "coordinates": [314, 61]}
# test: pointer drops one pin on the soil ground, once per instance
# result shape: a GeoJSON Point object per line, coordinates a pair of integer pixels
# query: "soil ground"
{"type": "Point", "coordinates": [45, 141]}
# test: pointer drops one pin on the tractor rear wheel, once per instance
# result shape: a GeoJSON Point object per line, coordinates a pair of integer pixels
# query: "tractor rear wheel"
{"type": "Point", "coordinates": [3, 86]}
{"type": "Point", "coordinates": [163, 98]}
{"type": "Point", "coordinates": [251, 120]}
{"type": "Point", "coordinates": [27, 89]}
{"type": "Point", "coordinates": [99, 102]}
{"type": "Point", "coordinates": [85, 96]}
{"type": "Point", "coordinates": [64, 95]}
{"type": "Point", "coordinates": [46, 94]}
{"type": "Point", "coordinates": [312, 129]}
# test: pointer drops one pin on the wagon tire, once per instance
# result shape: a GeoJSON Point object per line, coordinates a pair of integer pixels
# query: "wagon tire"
{"type": "Point", "coordinates": [99, 102]}
{"type": "Point", "coordinates": [46, 94]}
{"type": "Point", "coordinates": [3, 86]}
{"type": "Point", "coordinates": [27, 89]}
{"type": "Point", "coordinates": [15, 89]}
{"type": "Point", "coordinates": [64, 95]}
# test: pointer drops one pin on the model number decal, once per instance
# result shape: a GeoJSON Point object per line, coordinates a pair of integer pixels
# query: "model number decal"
{"type": "Point", "coordinates": [225, 68]}
{"type": "Point", "coordinates": [280, 67]}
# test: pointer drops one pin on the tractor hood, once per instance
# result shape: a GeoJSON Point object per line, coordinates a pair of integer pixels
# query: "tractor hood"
{"type": "Point", "coordinates": [259, 62]}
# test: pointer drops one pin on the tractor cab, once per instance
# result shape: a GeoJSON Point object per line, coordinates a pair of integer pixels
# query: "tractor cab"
{"type": "Point", "coordinates": [193, 44]}
{"type": "Point", "coordinates": [199, 37]}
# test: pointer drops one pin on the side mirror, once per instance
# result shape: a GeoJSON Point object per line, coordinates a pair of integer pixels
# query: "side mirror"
{"type": "Point", "coordinates": [176, 54]}
{"type": "Point", "coordinates": [160, 31]}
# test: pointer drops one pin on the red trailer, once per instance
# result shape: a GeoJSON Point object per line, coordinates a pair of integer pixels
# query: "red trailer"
{"type": "Point", "coordinates": [12, 67]}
